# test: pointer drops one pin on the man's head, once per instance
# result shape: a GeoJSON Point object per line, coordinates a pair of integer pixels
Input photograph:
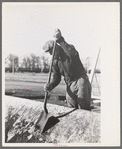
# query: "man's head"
{"type": "Point", "coordinates": [48, 46]}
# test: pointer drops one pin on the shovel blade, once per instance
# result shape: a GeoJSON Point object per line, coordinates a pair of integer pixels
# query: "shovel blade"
{"type": "Point", "coordinates": [45, 122]}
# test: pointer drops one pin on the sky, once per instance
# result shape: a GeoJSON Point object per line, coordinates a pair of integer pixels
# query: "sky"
{"type": "Point", "coordinates": [27, 26]}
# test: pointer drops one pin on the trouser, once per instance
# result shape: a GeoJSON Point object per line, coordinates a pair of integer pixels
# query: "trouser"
{"type": "Point", "coordinates": [78, 94]}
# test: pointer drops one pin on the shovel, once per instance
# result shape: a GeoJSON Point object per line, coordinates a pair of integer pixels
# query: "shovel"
{"type": "Point", "coordinates": [46, 120]}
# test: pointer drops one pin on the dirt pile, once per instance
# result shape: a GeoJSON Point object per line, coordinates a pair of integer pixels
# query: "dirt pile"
{"type": "Point", "coordinates": [74, 126]}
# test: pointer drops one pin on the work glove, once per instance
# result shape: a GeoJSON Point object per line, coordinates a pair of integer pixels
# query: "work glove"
{"type": "Point", "coordinates": [47, 87]}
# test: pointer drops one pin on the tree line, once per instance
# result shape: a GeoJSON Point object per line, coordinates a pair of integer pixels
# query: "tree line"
{"type": "Point", "coordinates": [31, 63]}
{"type": "Point", "coordinates": [34, 63]}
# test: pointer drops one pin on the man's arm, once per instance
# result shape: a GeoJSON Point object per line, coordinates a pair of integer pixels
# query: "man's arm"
{"type": "Point", "coordinates": [68, 49]}
{"type": "Point", "coordinates": [56, 74]}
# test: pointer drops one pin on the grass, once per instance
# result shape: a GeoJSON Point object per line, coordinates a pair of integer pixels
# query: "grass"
{"type": "Point", "coordinates": [32, 84]}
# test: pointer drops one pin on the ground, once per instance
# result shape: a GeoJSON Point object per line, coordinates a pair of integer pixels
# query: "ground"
{"type": "Point", "coordinates": [74, 125]}
{"type": "Point", "coordinates": [30, 86]}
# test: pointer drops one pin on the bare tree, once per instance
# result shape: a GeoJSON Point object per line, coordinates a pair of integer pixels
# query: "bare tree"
{"type": "Point", "coordinates": [6, 62]}
{"type": "Point", "coordinates": [33, 60]}
{"type": "Point", "coordinates": [28, 60]}
{"type": "Point", "coordinates": [45, 61]}
{"type": "Point", "coordinates": [24, 64]}
{"type": "Point", "coordinates": [10, 59]}
{"type": "Point", "coordinates": [13, 61]}
{"type": "Point", "coordinates": [38, 61]}
{"type": "Point", "coordinates": [16, 61]}
{"type": "Point", "coordinates": [45, 64]}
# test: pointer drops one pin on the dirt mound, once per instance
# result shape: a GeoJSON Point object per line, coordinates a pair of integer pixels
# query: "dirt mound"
{"type": "Point", "coordinates": [74, 126]}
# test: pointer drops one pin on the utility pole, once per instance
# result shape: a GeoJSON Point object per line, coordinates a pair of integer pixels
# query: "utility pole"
{"type": "Point", "coordinates": [13, 65]}
{"type": "Point", "coordinates": [94, 67]}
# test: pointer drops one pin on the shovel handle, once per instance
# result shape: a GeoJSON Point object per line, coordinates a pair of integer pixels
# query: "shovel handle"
{"type": "Point", "coordinates": [46, 93]}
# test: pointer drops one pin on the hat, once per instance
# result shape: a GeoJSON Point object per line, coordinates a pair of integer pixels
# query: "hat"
{"type": "Point", "coordinates": [57, 34]}
{"type": "Point", "coordinates": [48, 45]}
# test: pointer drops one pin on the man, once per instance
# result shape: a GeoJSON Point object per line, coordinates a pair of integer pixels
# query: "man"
{"type": "Point", "coordinates": [67, 63]}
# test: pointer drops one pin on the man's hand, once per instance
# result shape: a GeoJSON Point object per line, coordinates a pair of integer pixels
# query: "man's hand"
{"type": "Point", "coordinates": [47, 87]}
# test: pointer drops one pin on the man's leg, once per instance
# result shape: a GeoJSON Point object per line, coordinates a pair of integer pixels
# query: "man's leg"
{"type": "Point", "coordinates": [88, 101]}
{"type": "Point", "coordinates": [71, 97]}
{"type": "Point", "coordinates": [84, 93]}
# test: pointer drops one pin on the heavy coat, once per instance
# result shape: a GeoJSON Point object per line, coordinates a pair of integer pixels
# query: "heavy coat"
{"type": "Point", "coordinates": [66, 63]}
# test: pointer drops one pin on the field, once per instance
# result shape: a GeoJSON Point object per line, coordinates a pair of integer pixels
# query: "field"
{"type": "Point", "coordinates": [30, 86]}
